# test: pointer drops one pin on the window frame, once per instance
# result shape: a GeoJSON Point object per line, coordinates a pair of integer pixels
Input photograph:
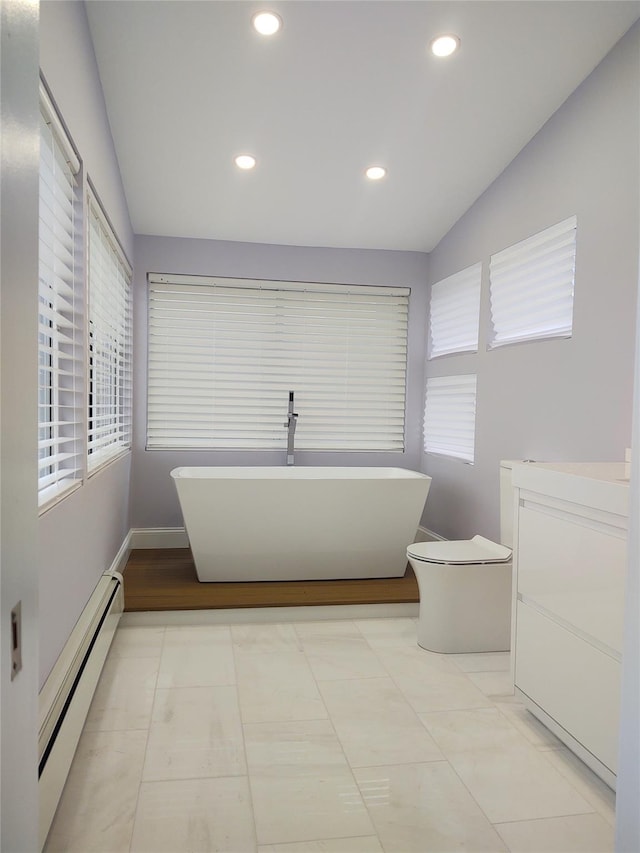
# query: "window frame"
{"type": "Point", "coordinates": [108, 341]}
{"type": "Point", "coordinates": [450, 410]}
{"type": "Point", "coordinates": [61, 362]}
{"type": "Point", "coordinates": [285, 315]}
{"type": "Point", "coordinates": [454, 299]}
{"type": "Point", "coordinates": [534, 278]}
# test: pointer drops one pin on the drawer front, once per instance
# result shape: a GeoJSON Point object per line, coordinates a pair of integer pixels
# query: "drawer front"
{"type": "Point", "coordinates": [574, 682]}
{"type": "Point", "coordinates": [574, 568]}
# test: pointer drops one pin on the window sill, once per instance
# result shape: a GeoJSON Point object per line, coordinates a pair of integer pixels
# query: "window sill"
{"type": "Point", "coordinates": [54, 495]}
{"type": "Point", "coordinates": [108, 460]}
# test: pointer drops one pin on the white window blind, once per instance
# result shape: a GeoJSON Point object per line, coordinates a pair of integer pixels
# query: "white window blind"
{"type": "Point", "coordinates": [60, 321]}
{"type": "Point", "coordinates": [454, 313]}
{"type": "Point", "coordinates": [450, 416]}
{"type": "Point", "coordinates": [531, 287]}
{"type": "Point", "coordinates": [224, 354]}
{"type": "Point", "coordinates": [109, 415]}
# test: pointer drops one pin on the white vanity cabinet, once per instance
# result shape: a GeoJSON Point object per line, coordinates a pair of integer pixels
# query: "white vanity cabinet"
{"type": "Point", "coordinates": [570, 543]}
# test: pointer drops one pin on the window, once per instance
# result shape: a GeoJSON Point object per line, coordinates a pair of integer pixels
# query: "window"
{"type": "Point", "coordinates": [224, 354]}
{"type": "Point", "coordinates": [109, 409]}
{"type": "Point", "coordinates": [450, 416]}
{"type": "Point", "coordinates": [60, 292]}
{"type": "Point", "coordinates": [531, 287]}
{"type": "Point", "coordinates": [454, 313]}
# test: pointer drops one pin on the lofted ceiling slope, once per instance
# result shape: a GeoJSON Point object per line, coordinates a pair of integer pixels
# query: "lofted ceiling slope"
{"type": "Point", "coordinates": [344, 85]}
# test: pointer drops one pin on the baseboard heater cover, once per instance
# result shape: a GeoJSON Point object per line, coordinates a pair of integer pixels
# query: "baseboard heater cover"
{"type": "Point", "coordinates": [68, 691]}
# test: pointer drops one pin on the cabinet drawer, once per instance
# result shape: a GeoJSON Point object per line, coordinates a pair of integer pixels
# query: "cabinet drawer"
{"type": "Point", "coordinates": [574, 568]}
{"type": "Point", "coordinates": [575, 683]}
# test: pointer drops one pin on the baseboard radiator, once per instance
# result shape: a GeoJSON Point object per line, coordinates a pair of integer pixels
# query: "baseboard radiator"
{"type": "Point", "coordinates": [68, 691]}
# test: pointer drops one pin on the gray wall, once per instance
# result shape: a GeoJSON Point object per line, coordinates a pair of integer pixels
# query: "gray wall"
{"type": "Point", "coordinates": [153, 499]}
{"type": "Point", "coordinates": [79, 538]}
{"type": "Point", "coordinates": [18, 433]}
{"type": "Point", "coordinates": [69, 66]}
{"type": "Point", "coordinates": [563, 399]}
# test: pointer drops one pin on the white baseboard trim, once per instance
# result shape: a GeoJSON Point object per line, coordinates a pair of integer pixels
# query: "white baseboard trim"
{"type": "Point", "coordinates": [176, 537]}
{"type": "Point", "coordinates": [158, 537]}
{"type": "Point", "coordinates": [120, 559]}
{"type": "Point", "coordinates": [264, 615]}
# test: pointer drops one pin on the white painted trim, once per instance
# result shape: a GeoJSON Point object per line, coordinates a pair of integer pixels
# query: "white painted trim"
{"type": "Point", "coordinates": [263, 615]}
{"type": "Point", "coordinates": [120, 559]}
{"type": "Point", "coordinates": [176, 537]}
{"type": "Point", "coordinates": [158, 537]}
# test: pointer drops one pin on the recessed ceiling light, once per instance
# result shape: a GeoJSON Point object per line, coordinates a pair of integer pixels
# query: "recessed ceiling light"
{"type": "Point", "coordinates": [374, 173]}
{"type": "Point", "coordinates": [245, 161]}
{"type": "Point", "coordinates": [266, 23]}
{"type": "Point", "coordinates": [445, 45]}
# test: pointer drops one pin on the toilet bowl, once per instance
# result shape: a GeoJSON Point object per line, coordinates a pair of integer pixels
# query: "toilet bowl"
{"type": "Point", "coordinates": [465, 586]}
{"type": "Point", "coordinates": [465, 595]}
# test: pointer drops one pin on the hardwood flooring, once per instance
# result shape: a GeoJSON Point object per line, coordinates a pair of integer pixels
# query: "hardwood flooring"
{"type": "Point", "coordinates": [165, 579]}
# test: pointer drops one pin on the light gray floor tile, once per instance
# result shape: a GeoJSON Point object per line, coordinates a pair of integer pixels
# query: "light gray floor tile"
{"type": "Point", "coordinates": [535, 732]}
{"type": "Point", "coordinates": [517, 783]}
{"type": "Point", "coordinates": [277, 686]}
{"type": "Point", "coordinates": [196, 656]}
{"type": "Point", "coordinates": [384, 633]}
{"type": "Point", "coordinates": [585, 781]}
{"type": "Point", "coordinates": [98, 804]}
{"type": "Point", "coordinates": [585, 833]}
{"type": "Point", "coordinates": [425, 807]}
{"type": "Point", "coordinates": [356, 741]}
{"type": "Point", "coordinates": [262, 639]}
{"type": "Point", "coordinates": [328, 628]}
{"type": "Point", "coordinates": [492, 684]}
{"type": "Point", "coordinates": [483, 662]}
{"type": "Point", "coordinates": [341, 657]}
{"type": "Point", "coordinates": [296, 806]}
{"type": "Point", "coordinates": [306, 746]}
{"type": "Point", "coordinates": [472, 731]}
{"type": "Point", "coordinates": [194, 816]}
{"type": "Point", "coordinates": [375, 723]}
{"type": "Point", "coordinates": [142, 642]}
{"type": "Point", "coordinates": [195, 732]}
{"type": "Point", "coordinates": [124, 697]}
{"type": "Point", "coordinates": [369, 844]}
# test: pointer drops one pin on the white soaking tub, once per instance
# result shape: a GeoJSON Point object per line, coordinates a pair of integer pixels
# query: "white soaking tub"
{"type": "Point", "coordinates": [300, 523]}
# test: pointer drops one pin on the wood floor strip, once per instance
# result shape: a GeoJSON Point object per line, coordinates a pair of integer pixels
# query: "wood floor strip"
{"type": "Point", "coordinates": [165, 579]}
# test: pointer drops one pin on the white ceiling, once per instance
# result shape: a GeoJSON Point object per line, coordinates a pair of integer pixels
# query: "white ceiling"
{"type": "Point", "coordinates": [344, 85]}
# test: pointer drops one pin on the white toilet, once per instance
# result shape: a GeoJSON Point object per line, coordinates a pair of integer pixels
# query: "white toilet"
{"type": "Point", "coordinates": [465, 586]}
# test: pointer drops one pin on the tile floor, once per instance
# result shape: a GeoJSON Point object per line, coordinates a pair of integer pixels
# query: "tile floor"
{"type": "Point", "coordinates": [323, 737]}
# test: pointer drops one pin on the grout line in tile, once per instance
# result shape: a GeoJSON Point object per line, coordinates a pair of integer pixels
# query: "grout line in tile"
{"type": "Point", "coordinates": [146, 745]}
{"type": "Point", "coordinates": [244, 742]}
{"type": "Point", "coordinates": [192, 779]}
{"type": "Point", "coordinates": [541, 819]}
{"type": "Point", "coordinates": [342, 749]}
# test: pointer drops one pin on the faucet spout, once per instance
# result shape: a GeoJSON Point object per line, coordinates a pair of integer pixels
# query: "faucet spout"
{"type": "Point", "coordinates": [292, 418]}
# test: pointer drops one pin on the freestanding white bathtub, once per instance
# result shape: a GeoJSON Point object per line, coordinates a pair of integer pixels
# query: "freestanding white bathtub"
{"type": "Point", "coordinates": [300, 523]}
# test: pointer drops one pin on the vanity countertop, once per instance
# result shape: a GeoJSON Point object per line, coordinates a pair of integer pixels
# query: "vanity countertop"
{"type": "Point", "coordinates": [600, 485]}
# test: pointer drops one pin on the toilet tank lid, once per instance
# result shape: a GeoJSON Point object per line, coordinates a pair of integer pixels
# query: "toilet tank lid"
{"type": "Point", "coordinates": [460, 551]}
